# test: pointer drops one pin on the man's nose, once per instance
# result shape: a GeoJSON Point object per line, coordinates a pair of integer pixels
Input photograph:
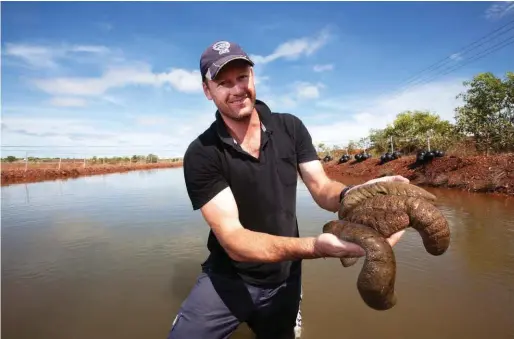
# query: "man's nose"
{"type": "Point", "coordinates": [238, 88]}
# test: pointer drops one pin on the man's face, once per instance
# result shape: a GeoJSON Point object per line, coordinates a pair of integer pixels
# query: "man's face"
{"type": "Point", "coordinates": [233, 90]}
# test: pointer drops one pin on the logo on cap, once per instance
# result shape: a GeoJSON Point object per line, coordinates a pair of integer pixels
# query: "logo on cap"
{"type": "Point", "coordinates": [222, 47]}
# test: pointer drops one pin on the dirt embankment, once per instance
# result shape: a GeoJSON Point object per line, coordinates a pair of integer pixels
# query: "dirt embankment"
{"type": "Point", "coordinates": [17, 174]}
{"type": "Point", "coordinates": [492, 174]}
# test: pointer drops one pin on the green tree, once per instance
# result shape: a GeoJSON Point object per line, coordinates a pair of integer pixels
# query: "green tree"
{"type": "Point", "coordinates": [152, 158]}
{"type": "Point", "coordinates": [352, 146]}
{"type": "Point", "coordinates": [488, 112]}
{"type": "Point", "coordinates": [379, 140]}
{"type": "Point", "coordinates": [411, 129]}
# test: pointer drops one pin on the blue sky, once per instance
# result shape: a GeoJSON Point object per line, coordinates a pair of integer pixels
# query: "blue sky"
{"type": "Point", "coordinates": [125, 74]}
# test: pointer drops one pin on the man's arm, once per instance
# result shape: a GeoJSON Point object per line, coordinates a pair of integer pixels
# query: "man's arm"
{"type": "Point", "coordinates": [245, 245]}
{"type": "Point", "coordinates": [324, 190]}
{"type": "Point", "coordinates": [210, 192]}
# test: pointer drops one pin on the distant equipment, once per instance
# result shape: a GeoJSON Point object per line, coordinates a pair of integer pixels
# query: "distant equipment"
{"type": "Point", "coordinates": [362, 156]}
{"type": "Point", "coordinates": [428, 155]}
{"type": "Point", "coordinates": [390, 156]}
{"type": "Point", "coordinates": [393, 155]}
{"type": "Point", "coordinates": [424, 156]}
{"type": "Point", "coordinates": [345, 158]}
{"type": "Point", "coordinates": [327, 158]}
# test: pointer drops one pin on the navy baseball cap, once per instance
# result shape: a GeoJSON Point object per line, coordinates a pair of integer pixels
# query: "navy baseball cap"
{"type": "Point", "coordinates": [218, 55]}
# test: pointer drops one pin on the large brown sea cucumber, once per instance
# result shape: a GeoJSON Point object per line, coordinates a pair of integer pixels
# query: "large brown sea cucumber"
{"type": "Point", "coordinates": [377, 276]}
{"type": "Point", "coordinates": [369, 214]}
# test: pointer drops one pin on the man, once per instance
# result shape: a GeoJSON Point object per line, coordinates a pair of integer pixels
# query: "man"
{"type": "Point", "coordinates": [242, 174]}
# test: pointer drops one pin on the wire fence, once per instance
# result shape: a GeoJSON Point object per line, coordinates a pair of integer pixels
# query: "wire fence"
{"type": "Point", "coordinates": [404, 145]}
{"type": "Point", "coordinates": [20, 158]}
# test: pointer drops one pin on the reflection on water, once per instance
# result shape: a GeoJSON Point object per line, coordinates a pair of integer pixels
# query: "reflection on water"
{"type": "Point", "coordinates": [113, 257]}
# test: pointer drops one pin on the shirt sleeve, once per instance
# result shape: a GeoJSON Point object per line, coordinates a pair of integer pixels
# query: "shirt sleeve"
{"type": "Point", "coordinates": [203, 175]}
{"type": "Point", "coordinates": [304, 147]}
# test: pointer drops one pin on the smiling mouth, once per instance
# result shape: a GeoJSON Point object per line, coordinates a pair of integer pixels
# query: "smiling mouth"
{"type": "Point", "coordinates": [240, 101]}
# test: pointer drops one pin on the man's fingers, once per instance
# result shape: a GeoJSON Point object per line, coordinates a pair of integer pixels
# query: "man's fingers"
{"type": "Point", "coordinates": [396, 178]}
{"type": "Point", "coordinates": [353, 249]}
{"type": "Point", "coordinates": [393, 239]}
{"type": "Point", "coordinates": [400, 178]}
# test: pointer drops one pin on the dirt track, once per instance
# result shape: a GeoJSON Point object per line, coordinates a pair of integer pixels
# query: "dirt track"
{"type": "Point", "coordinates": [493, 174]}
{"type": "Point", "coordinates": [19, 175]}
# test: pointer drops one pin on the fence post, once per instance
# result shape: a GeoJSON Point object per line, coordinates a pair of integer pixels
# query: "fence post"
{"type": "Point", "coordinates": [84, 161]}
{"type": "Point", "coordinates": [26, 160]}
{"type": "Point", "coordinates": [60, 158]}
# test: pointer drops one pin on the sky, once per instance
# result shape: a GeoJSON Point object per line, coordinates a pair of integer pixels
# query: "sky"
{"type": "Point", "coordinates": [122, 78]}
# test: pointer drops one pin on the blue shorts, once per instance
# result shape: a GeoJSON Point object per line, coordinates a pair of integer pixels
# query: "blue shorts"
{"type": "Point", "coordinates": [218, 304]}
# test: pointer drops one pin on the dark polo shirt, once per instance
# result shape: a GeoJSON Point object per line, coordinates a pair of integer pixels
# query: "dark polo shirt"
{"type": "Point", "coordinates": [264, 188]}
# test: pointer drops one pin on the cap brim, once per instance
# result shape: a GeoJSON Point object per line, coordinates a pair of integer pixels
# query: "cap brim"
{"type": "Point", "coordinates": [217, 66]}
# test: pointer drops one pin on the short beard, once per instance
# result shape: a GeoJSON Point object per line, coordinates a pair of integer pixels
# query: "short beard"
{"type": "Point", "coordinates": [238, 118]}
{"type": "Point", "coordinates": [241, 118]}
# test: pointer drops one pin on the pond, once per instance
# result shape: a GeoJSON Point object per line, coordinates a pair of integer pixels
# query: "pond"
{"type": "Point", "coordinates": [113, 256]}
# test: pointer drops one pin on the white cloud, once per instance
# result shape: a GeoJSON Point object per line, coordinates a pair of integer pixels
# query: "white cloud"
{"type": "Point", "coordinates": [499, 10]}
{"type": "Point", "coordinates": [116, 77]}
{"type": "Point", "coordinates": [70, 91]}
{"type": "Point", "coordinates": [151, 120]}
{"type": "Point", "coordinates": [305, 90]}
{"type": "Point", "coordinates": [293, 49]}
{"type": "Point", "coordinates": [456, 57]}
{"type": "Point", "coordinates": [34, 55]}
{"type": "Point", "coordinates": [90, 49]}
{"type": "Point", "coordinates": [84, 136]}
{"type": "Point", "coordinates": [67, 102]}
{"type": "Point", "coordinates": [40, 56]}
{"type": "Point", "coordinates": [323, 68]}
{"type": "Point", "coordinates": [352, 119]}
{"type": "Point", "coordinates": [336, 121]}
{"type": "Point", "coordinates": [298, 92]}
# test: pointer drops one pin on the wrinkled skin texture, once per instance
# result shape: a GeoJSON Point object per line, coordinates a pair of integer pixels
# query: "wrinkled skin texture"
{"type": "Point", "coordinates": [372, 212]}
{"type": "Point", "coordinates": [376, 279]}
{"type": "Point", "coordinates": [359, 194]}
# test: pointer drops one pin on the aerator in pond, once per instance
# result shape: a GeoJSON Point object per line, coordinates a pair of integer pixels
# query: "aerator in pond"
{"type": "Point", "coordinates": [327, 158]}
{"type": "Point", "coordinates": [344, 158]}
{"type": "Point", "coordinates": [427, 156]}
{"type": "Point", "coordinates": [390, 156]}
{"type": "Point", "coordinates": [362, 156]}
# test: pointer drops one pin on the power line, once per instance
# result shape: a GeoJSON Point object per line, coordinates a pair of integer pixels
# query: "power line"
{"type": "Point", "coordinates": [463, 51]}
{"type": "Point", "coordinates": [479, 56]}
{"type": "Point", "coordinates": [502, 44]}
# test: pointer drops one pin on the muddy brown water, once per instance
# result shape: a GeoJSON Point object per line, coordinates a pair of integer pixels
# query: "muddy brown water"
{"type": "Point", "coordinates": [113, 256]}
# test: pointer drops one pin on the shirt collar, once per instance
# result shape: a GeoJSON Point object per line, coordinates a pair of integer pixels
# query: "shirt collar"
{"type": "Point", "coordinates": [264, 116]}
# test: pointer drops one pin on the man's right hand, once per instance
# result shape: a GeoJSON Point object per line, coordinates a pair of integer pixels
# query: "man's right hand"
{"type": "Point", "coordinates": [328, 245]}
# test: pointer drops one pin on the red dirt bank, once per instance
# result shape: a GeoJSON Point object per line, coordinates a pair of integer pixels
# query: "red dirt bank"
{"type": "Point", "coordinates": [19, 175]}
{"type": "Point", "coordinates": [493, 174]}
